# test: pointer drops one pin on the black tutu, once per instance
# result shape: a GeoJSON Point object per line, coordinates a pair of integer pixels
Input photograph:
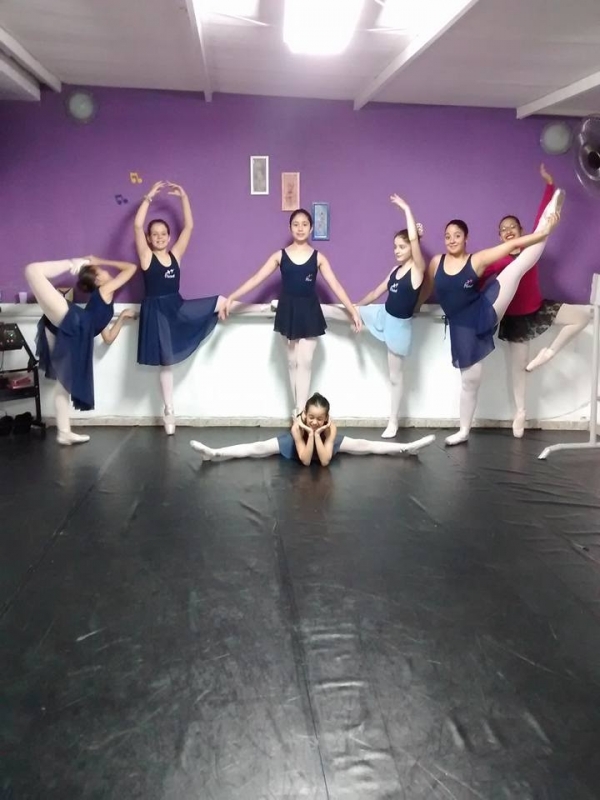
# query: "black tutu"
{"type": "Point", "coordinates": [525, 327]}
{"type": "Point", "coordinates": [299, 317]}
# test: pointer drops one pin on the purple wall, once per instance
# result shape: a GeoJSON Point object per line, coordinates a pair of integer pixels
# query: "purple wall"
{"type": "Point", "coordinates": [59, 182]}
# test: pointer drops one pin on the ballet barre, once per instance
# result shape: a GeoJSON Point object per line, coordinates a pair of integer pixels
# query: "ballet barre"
{"type": "Point", "coordinates": [593, 442]}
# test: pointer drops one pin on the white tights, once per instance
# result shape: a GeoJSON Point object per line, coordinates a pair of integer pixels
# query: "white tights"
{"type": "Point", "coordinates": [572, 319]}
{"type": "Point", "coordinates": [300, 358]}
{"type": "Point", "coordinates": [51, 301]}
{"type": "Point", "coordinates": [509, 280]}
{"type": "Point", "coordinates": [396, 373]}
{"type": "Point", "coordinates": [270, 447]}
{"type": "Point", "coordinates": [395, 370]}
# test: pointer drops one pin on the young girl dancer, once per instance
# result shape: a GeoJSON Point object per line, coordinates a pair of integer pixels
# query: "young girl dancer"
{"type": "Point", "coordinates": [473, 314]}
{"type": "Point", "coordinates": [171, 328]}
{"type": "Point", "coordinates": [65, 338]}
{"type": "Point", "coordinates": [299, 316]}
{"type": "Point", "coordinates": [392, 323]}
{"type": "Point", "coordinates": [313, 438]}
{"type": "Point", "coordinates": [528, 315]}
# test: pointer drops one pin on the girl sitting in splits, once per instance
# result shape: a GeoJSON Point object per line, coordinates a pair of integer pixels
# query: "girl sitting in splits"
{"type": "Point", "coordinates": [313, 438]}
{"type": "Point", "coordinates": [529, 315]}
{"type": "Point", "coordinates": [65, 338]}
{"type": "Point", "coordinates": [473, 314]}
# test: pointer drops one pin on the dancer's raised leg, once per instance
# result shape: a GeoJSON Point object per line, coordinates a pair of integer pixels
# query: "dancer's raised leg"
{"type": "Point", "coordinates": [573, 319]}
{"type": "Point", "coordinates": [247, 309]}
{"type": "Point", "coordinates": [269, 447]}
{"type": "Point", "coordinates": [510, 277]}
{"type": "Point", "coordinates": [335, 313]}
{"type": "Point", "coordinates": [38, 276]}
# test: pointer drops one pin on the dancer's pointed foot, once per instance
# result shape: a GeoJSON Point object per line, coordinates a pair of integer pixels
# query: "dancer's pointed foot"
{"type": "Point", "coordinates": [390, 432]}
{"type": "Point", "coordinates": [554, 207]}
{"type": "Point", "coordinates": [67, 438]}
{"type": "Point", "coordinates": [414, 447]}
{"type": "Point", "coordinates": [518, 425]}
{"type": "Point", "coordinates": [545, 354]}
{"type": "Point", "coordinates": [206, 453]}
{"type": "Point", "coordinates": [457, 438]}
{"type": "Point", "coordinates": [169, 421]}
{"type": "Point", "coordinates": [77, 264]}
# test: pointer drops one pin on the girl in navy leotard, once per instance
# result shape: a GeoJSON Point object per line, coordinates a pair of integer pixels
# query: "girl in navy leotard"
{"type": "Point", "coordinates": [66, 332]}
{"type": "Point", "coordinates": [171, 328]}
{"type": "Point", "coordinates": [312, 439]}
{"type": "Point", "coordinates": [299, 316]}
{"type": "Point", "coordinates": [473, 314]}
{"type": "Point", "coordinates": [392, 323]}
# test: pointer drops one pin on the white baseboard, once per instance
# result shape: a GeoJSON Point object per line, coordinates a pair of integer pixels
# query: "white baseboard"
{"type": "Point", "coordinates": [278, 422]}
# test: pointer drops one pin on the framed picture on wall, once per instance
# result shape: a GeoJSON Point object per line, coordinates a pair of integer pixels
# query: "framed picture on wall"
{"type": "Point", "coordinates": [290, 191]}
{"type": "Point", "coordinates": [259, 174]}
{"type": "Point", "coordinates": [320, 215]}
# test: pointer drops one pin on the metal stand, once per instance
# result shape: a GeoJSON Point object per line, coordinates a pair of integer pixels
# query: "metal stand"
{"type": "Point", "coordinates": [594, 397]}
{"type": "Point", "coordinates": [11, 338]}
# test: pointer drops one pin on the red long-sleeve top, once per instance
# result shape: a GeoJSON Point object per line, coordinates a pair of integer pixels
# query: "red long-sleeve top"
{"type": "Point", "coordinates": [528, 297]}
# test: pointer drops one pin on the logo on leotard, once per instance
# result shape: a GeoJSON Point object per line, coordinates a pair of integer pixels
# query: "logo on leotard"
{"type": "Point", "coordinates": [468, 284]}
{"type": "Point", "coordinates": [394, 287]}
{"type": "Point", "coordinates": [308, 279]}
{"type": "Point", "coordinates": [170, 273]}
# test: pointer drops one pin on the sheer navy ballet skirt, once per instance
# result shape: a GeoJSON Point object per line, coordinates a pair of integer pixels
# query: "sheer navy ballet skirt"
{"type": "Point", "coordinates": [71, 361]}
{"type": "Point", "coordinates": [171, 328]}
{"type": "Point", "coordinates": [470, 313]}
{"type": "Point", "coordinates": [299, 314]}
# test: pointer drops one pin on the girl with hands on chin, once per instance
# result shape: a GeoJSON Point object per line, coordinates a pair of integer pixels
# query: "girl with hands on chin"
{"type": "Point", "coordinates": [313, 438]}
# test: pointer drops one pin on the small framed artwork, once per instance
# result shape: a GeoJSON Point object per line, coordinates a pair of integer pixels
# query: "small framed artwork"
{"type": "Point", "coordinates": [259, 174]}
{"type": "Point", "coordinates": [290, 191]}
{"type": "Point", "coordinates": [320, 214]}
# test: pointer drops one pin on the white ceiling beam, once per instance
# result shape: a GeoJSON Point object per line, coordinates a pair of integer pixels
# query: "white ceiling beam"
{"type": "Point", "coordinates": [16, 51]}
{"type": "Point", "coordinates": [417, 47]}
{"type": "Point", "coordinates": [559, 96]}
{"type": "Point", "coordinates": [16, 82]}
{"type": "Point", "coordinates": [197, 15]}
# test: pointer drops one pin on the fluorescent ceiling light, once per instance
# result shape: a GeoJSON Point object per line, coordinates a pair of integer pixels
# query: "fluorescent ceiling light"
{"type": "Point", "coordinates": [320, 27]}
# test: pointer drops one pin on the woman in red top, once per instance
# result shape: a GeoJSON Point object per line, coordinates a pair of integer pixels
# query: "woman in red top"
{"type": "Point", "coordinates": [529, 315]}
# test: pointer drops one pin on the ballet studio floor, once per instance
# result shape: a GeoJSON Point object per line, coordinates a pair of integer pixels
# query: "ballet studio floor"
{"type": "Point", "coordinates": [386, 629]}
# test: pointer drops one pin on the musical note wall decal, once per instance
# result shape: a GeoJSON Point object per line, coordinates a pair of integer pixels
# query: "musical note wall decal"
{"type": "Point", "coordinates": [134, 177]}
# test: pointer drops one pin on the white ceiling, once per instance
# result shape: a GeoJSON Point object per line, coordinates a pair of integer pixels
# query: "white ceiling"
{"type": "Point", "coordinates": [494, 53]}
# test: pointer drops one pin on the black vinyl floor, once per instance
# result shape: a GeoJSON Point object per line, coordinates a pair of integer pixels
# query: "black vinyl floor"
{"type": "Point", "coordinates": [386, 629]}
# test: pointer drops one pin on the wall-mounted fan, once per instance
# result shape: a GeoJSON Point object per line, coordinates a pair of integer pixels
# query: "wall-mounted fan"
{"type": "Point", "coordinates": [587, 153]}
